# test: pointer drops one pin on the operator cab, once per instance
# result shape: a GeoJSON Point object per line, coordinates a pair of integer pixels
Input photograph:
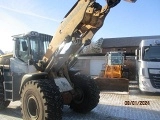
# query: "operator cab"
{"type": "Point", "coordinates": [32, 45]}
{"type": "Point", "coordinates": [115, 58]}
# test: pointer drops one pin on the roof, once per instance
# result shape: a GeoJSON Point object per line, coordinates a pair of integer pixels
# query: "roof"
{"type": "Point", "coordinates": [125, 41]}
{"type": "Point", "coordinates": [31, 34]}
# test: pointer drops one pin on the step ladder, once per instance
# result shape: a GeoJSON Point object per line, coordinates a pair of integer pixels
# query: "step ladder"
{"type": "Point", "coordinates": [8, 83]}
{"type": "Point", "coordinates": [133, 85]}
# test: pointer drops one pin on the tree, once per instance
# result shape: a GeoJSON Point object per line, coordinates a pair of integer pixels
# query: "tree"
{"type": "Point", "coordinates": [94, 47]}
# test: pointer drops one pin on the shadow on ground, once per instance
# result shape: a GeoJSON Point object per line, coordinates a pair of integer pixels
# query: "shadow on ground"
{"type": "Point", "coordinates": [12, 112]}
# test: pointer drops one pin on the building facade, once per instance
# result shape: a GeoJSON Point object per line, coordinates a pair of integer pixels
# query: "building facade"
{"type": "Point", "coordinates": [127, 44]}
{"type": "Point", "coordinates": [93, 64]}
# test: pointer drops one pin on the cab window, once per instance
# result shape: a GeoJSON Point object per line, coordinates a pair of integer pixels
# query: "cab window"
{"type": "Point", "coordinates": [22, 49]}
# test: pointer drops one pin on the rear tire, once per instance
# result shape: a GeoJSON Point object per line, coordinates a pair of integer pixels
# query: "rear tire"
{"type": "Point", "coordinates": [41, 100]}
{"type": "Point", "coordinates": [87, 92]}
{"type": "Point", "coordinates": [3, 104]}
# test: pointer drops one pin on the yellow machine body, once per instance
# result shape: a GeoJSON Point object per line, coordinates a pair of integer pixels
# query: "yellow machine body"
{"type": "Point", "coordinates": [114, 64]}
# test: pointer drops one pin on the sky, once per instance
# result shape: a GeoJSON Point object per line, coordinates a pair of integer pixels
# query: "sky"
{"type": "Point", "coordinates": [125, 20]}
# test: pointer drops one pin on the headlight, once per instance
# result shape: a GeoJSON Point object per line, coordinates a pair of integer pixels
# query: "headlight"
{"type": "Point", "coordinates": [143, 72]}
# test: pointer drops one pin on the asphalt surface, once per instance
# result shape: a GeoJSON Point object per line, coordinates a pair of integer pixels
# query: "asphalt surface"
{"type": "Point", "coordinates": [112, 106]}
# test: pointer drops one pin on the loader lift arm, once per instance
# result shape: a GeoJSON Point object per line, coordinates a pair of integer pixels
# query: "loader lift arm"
{"type": "Point", "coordinates": [80, 24]}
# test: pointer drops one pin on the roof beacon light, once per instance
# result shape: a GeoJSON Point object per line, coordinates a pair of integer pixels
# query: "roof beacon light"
{"type": "Point", "coordinates": [33, 33]}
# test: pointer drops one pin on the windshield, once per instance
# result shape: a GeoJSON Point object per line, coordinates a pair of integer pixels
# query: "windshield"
{"type": "Point", "coordinates": [115, 58]}
{"type": "Point", "coordinates": [151, 53]}
{"type": "Point", "coordinates": [39, 46]}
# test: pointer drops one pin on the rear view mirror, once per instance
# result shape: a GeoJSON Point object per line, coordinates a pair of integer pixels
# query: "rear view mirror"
{"type": "Point", "coordinates": [24, 46]}
{"type": "Point", "coordinates": [137, 54]}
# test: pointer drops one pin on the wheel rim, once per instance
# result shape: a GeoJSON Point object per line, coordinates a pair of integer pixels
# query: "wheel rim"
{"type": "Point", "coordinates": [32, 107]}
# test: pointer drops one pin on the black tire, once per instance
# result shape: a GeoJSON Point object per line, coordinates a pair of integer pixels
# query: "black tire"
{"type": "Point", "coordinates": [41, 100]}
{"type": "Point", "coordinates": [3, 104]}
{"type": "Point", "coordinates": [87, 94]}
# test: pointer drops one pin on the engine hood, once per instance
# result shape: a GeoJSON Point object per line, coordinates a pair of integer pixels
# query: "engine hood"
{"type": "Point", "coordinates": [4, 59]}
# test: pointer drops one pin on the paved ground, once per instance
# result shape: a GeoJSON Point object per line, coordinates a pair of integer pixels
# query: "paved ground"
{"type": "Point", "coordinates": [111, 107]}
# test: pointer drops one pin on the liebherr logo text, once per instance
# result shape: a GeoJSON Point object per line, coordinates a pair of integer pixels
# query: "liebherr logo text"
{"type": "Point", "coordinates": [71, 16]}
{"type": "Point", "coordinates": [136, 102]}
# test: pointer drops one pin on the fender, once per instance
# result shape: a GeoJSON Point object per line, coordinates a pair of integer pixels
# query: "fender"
{"type": "Point", "coordinates": [73, 72]}
{"type": "Point", "coordinates": [62, 83]}
{"type": "Point", "coordinates": [32, 76]}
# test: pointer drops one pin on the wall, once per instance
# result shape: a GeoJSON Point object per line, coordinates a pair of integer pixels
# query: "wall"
{"type": "Point", "coordinates": [127, 49]}
{"type": "Point", "coordinates": [90, 65]}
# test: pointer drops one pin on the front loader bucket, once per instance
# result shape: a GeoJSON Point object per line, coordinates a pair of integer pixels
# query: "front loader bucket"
{"type": "Point", "coordinates": [112, 84]}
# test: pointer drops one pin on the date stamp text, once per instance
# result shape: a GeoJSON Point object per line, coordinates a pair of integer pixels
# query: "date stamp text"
{"type": "Point", "coordinates": [136, 102]}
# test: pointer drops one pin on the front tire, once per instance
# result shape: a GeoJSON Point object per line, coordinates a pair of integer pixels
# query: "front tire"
{"type": "Point", "coordinates": [41, 100]}
{"type": "Point", "coordinates": [87, 92]}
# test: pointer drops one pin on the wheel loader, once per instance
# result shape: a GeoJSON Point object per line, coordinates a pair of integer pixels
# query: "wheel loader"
{"type": "Point", "coordinates": [114, 64]}
{"type": "Point", "coordinates": [41, 75]}
{"type": "Point", "coordinates": [114, 74]}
